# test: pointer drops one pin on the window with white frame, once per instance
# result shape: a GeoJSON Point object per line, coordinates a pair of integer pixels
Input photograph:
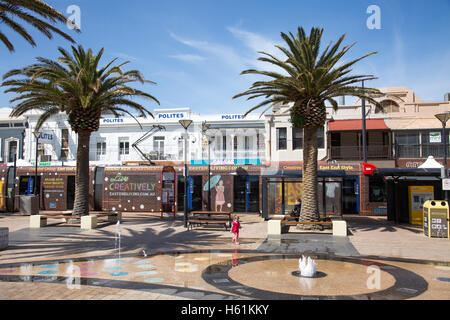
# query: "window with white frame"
{"type": "Point", "coordinates": [64, 144]}
{"type": "Point", "coordinates": [158, 147]}
{"type": "Point", "coordinates": [124, 146]}
{"type": "Point", "coordinates": [101, 148]}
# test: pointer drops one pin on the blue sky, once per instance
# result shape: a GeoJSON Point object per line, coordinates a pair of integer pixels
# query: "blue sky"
{"type": "Point", "coordinates": [195, 50]}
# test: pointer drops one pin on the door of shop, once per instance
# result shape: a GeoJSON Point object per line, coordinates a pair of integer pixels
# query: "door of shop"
{"type": "Point", "coordinates": [70, 192]}
{"type": "Point", "coordinates": [194, 198]}
{"type": "Point", "coordinates": [350, 196]}
{"type": "Point", "coordinates": [246, 194]}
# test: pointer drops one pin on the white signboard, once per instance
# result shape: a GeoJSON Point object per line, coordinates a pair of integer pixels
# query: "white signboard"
{"type": "Point", "coordinates": [446, 184]}
{"type": "Point", "coordinates": [435, 137]}
{"type": "Point", "coordinates": [47, 137]}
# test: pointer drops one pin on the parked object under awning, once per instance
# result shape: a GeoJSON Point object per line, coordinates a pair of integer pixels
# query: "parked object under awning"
{"type": "Point", "coordinates": [356, 125]}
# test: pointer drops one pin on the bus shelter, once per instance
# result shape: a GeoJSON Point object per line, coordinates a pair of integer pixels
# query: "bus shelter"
{"type": "Point", "coordinates": [407, 190]}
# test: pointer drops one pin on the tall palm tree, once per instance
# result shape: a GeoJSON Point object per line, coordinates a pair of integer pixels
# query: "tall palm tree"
{"type": "Point", "coordinates": [308, 80]}
{"type": "Point", "coordinates": [36, 13]}
{"type": "Point", "coordinates": [76, 85]}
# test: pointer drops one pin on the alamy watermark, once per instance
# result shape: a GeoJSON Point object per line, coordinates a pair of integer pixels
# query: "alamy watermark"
{"type": "Point", "coordinates": [374, 280]}
{"type": "Point", "coordinates": [74, 20]}
{"type": "Point", "coordinates": [374, 20]}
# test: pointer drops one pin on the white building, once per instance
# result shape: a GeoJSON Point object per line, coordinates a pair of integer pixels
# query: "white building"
{"type": "Point", "coordinates": [234, 140]}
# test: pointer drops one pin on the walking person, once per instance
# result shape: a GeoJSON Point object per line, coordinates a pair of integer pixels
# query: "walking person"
{"type": "Point", "coordinates": [235, 229]}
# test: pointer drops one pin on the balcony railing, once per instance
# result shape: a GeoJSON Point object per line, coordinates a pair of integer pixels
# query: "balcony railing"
{"type": "Point", "coordinates": [381, 152]}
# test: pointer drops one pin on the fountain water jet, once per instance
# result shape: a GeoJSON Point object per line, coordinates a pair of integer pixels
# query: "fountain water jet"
{"type": "Point", "coordinates": [307, 267]}
{"type": "Point", "coordinates": [117, 238]}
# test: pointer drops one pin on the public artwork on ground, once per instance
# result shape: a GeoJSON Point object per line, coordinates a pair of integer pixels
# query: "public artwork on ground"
{"type": "Point", "coordinates": [135, 191]}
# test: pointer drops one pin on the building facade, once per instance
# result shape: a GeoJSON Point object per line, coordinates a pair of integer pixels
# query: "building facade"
{"type": "Point", "coordinates": [255, 158]}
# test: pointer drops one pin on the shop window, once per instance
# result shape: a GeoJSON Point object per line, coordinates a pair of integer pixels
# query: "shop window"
{"type": "Point", "coordinates": [12, 150]}
{"type": "Point", "coordinates": [377, 189]}
{"type": "Point", "coordinates": [101, 149]}
{"type": "Point", "coordinates": [158, 147]}
{"type": "Point", "coordinates": [64, 144]}
{"type": "Point", "coordinates": [124, 146]}
{"type": "Point", "coordinates": [297, 138]}
{"type": "Point", "coordinates": [407, 145]}
{"type": "Point", "coordinates": [321, 138]}
{"type": "Point", "coordinates": [281, 139]}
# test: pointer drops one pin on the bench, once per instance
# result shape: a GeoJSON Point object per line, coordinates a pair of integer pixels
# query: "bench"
{"type": "Point", "coordinates": [277, 227]}
{"type": "Point", "coordinates": [320, 223]}
{"type": "Point", "coordinates": [195, 221]}
{"type": "Point", "coordinates": [112, 216]}
{"type": "Point", "coordinates": [87, 222]}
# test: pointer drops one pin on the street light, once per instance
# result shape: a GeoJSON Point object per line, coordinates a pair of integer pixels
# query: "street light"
{"type": "Point", "coordinates": [443, 118]}
{"type": "Point", "coordinates": [185, 123]}
{"type": "Point", "coordinates": [37, 134]}
{"type": "Point", "coordinates": [364, 132]}
{"type": "Point", "coordinates": [205, 128]}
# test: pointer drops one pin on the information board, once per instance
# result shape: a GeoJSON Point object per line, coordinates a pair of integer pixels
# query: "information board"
{"type": "Point", "coordinates": [168, 204]}
{"type": "Point", "coordinates": [439, 224]}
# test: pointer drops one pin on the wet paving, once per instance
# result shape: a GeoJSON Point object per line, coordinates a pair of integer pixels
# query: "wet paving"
{"type": "Point", "coordinates": [241, 274]}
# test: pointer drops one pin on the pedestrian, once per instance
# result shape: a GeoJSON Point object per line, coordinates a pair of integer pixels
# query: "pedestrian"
{"type": "Point", "coordinates": [235, 229]}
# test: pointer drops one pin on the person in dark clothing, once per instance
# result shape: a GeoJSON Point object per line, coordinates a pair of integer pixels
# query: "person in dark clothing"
{"type": "Point", "coordinates": [297, 209]}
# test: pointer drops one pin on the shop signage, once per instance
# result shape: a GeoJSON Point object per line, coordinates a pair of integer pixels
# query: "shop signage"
{"type": "Point", "coordinates": [435, 137]}
{"type": "Point", "coordinates": [225, 162]}
{"type": "Point", "coordinates": [47, 164]}
{"type": "Point", "coordinates": [446, 184]}
{"type": "Point", "coordinates": [175, 115]}
{"type": "Point", "coordinates": [46, 137]}
{"type": "Point", "coordinates": [232, 117]}
{"type": "Point", "coordinates": [112, 120]}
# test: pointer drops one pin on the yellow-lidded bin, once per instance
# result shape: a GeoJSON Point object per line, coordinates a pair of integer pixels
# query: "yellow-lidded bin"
{"type": "Point", "coordinates": [436, 219]}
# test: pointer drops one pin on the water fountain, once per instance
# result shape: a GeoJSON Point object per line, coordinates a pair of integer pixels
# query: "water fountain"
{"type": "Point", "coordinates": [307, 267]}
{"type": "Point", "coordinates": [117, 238]}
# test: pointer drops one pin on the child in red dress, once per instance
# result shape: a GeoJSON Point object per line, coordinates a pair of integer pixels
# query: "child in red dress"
{"type": "Point", "coordinates": [235, 229]}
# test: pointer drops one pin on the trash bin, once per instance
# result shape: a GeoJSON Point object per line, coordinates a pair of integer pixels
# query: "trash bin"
{"type": "Point", "coordinates": [436, 219]}
{"type": "Point", "coordinates": [29, 205]}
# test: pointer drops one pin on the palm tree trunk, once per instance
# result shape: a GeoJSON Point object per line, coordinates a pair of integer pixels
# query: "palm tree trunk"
{"type": "Point", "coordinates": [310, 205]}
{"type": "Point", "coordinates": [81, 203]}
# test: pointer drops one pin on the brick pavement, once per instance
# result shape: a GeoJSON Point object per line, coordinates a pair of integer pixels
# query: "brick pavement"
{"type": "Point", "coordinates": [369, 237]}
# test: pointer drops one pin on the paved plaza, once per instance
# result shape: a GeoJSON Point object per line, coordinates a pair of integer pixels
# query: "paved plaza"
{"type": "Point", "coordinates": [158, 258]}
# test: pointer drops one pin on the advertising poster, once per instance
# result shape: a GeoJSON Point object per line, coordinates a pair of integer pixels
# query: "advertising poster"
{"type": "Point", "coordinates": [417, 197]}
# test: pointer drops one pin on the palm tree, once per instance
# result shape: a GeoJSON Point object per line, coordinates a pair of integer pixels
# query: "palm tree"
{"type": "Point", "coordinates": [42, 20]}
{"type": "Point", "coordinates": [308, 80]}
{"type": "Point", "coordinates": [76, 85]}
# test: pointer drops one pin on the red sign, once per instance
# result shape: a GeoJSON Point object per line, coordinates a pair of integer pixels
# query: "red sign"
{"type": "Point", "coordinates": [368, 169]}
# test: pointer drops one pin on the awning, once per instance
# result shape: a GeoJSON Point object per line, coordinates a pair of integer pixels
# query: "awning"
{"type": "Point", "coordinates": [356, 125]}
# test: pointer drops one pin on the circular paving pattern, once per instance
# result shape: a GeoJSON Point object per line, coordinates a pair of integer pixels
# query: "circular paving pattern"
{"type": "Point", "coordinates": [273, 277]}
{"type": "Point", "coordinates": [238, 274]}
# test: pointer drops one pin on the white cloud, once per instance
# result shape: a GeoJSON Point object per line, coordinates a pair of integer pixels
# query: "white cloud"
{"type": "Point", "coordinates": [258, 43]}
{"type": "Point", "coordinates": [188, 57]}
{"type": "Point", "coordinates": [223, 52]}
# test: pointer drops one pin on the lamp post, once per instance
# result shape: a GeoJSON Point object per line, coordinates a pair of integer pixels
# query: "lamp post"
{"type": "Point", "coordinates": [37, 134]}
{"type": "Point", "coordinates": [185, 123]}
{"type": "Point", "coordinates": [443, 118]}
{"type": "Point", "coordinates": [205, 128]}
{"type": "Point", "coordinates": [364, 132]}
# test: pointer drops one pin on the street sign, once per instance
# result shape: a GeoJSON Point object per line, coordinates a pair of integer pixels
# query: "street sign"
{"type": "Point", "coordinates": [445, 184]}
